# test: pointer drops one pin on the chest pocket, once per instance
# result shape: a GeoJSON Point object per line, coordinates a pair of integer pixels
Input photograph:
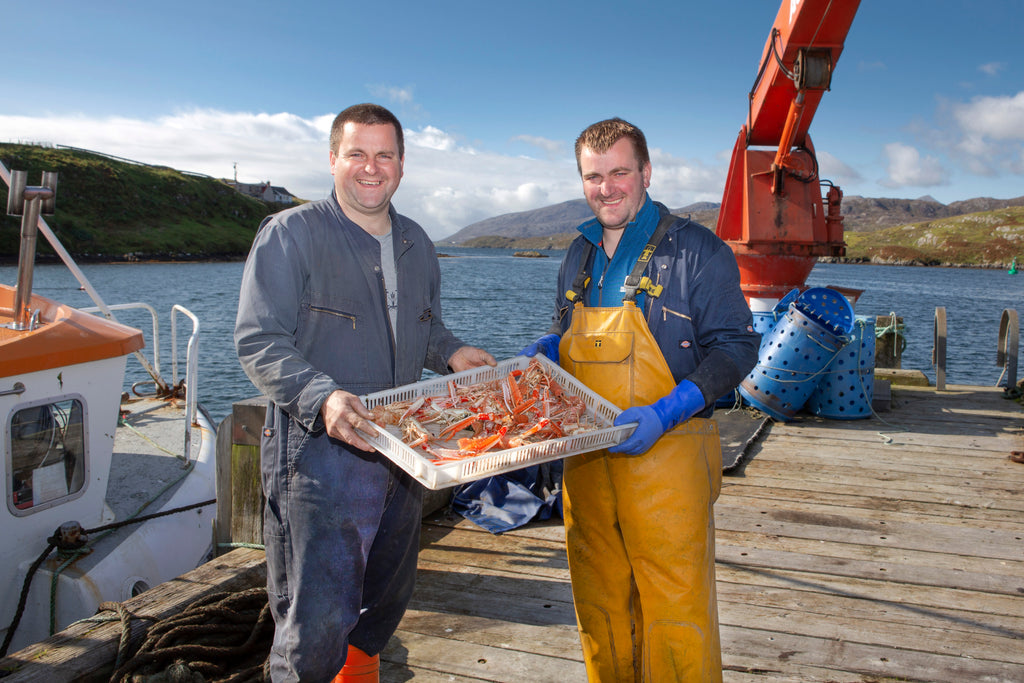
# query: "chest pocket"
{"type": "Point", "coordinates": [602, 361]}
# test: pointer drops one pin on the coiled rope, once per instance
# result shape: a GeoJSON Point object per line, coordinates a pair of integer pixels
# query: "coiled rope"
{"type": "Point", "coordinates": [221, 638]}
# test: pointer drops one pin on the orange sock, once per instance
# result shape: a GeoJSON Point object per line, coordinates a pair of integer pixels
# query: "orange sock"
{"type": "Point", "coordinates": [359, 668]}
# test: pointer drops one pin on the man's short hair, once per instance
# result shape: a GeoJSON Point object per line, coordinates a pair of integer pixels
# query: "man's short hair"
{"type": "Point", "coordinates": [368, 115]}
{"type": "Point", "coordinates": [600, 136]}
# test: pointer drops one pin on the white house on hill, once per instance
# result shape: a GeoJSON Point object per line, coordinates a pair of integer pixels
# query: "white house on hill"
{"type": "Point", "coordinates": [264, 191]}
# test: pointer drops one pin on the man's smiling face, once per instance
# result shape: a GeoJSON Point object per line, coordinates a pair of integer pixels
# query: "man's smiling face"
{"type": "Point", "coordinates": [614, 183]}
{"type": "Point", "coordinates": [366, 168]}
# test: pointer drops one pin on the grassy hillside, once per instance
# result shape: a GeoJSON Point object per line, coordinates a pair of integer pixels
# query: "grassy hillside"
{"type": "Point", "coordinates": [116, 210]}
{"type": "Point", "coordinates": [985, 239]}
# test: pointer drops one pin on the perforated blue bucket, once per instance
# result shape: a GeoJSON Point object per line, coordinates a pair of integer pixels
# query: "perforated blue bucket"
{"type": "Point", "coordinates": [764, 322]}
{"type": "Point", "coordinates": [796, 351]}
{"type": "Point", "coordinates": [827, 307]}
{"type": "Point", "coordinates": [847, 386]}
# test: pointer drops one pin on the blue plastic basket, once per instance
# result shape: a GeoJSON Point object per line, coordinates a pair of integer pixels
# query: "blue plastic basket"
{"type": "Point", "coordinates": [828, 307]}
{"type": "Point", "coordinates": [764, 322]}
{"type": "Point", "coordinates": [795, 353]}
{"type": "Point", "coordinates": [847, 386]}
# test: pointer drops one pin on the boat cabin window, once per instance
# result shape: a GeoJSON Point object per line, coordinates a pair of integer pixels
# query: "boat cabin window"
{"type": "Point", "coordinates": [46, 444]}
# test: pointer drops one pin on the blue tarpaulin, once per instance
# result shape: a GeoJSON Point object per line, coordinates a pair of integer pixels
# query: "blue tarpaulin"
{"type": "Point", "coordinates": [508, 501]}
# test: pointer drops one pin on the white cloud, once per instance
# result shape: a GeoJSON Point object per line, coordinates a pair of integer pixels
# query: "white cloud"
{"type": "Point", "coordinates": [392, 93]}
{"type": "Point", "coordinates": [677, 182]}
{"type": "Point", "coordinates": [992, 68]}
{"type": "Point", "coordinates": [454, 187]}
{"type": "Point", "coordinates": [872, 66]}
{"type": "Point", "coordinates": [831, 168]}
{"type": "Point", "coordinates": [995, 118]}
{"type": "Point", "coordinates": [552, 148]}
{"type": "Point", "coordinates": [430, 138]}
{"type": "Point", "coordinates": [990, 135]}
{"type": "Point", "coordinates": [906, 167]}
{"type": "Point", "coordinates": [446, 186]}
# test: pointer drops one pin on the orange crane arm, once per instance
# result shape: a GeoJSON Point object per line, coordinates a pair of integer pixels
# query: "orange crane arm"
{"type": "Point", "coordinates": [801, 51]}
{"type": "Point", "coordinates": [772, 214]}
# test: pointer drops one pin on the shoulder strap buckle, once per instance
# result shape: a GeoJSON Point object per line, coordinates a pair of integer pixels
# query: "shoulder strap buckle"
{"type": "Point", "coordinates": [579, 285]}
{"type": "Point", "coordinates": [637, 281]}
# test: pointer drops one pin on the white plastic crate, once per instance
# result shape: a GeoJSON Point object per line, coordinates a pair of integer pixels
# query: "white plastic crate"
{"type": "Point", "coordinates": [451, 473]}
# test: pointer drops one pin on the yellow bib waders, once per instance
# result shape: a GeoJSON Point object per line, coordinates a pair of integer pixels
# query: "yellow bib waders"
{"type": "Point", "coordinates": [639, 528]}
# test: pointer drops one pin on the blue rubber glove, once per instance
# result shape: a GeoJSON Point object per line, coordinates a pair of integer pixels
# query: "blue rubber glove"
{"type": "Point", "coordinates": [685, 401]}
{"type": "Point", "coordinates": [547, 345]}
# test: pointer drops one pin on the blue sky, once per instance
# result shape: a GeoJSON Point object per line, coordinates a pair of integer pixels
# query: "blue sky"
{"type": "Point", "coordinates": [927, 98]}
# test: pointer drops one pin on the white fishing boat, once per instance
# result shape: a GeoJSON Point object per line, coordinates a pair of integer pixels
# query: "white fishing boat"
{"type": "Point", "coordinates": [107, 491]}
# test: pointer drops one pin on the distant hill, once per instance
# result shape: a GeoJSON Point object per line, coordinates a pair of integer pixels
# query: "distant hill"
{"type": "Point", "coordinates": [550, 225]}
{"type": "Point", "coordinates": [115, 210]}
{"type": "Point", "coordinates": [544, 222]}
{"type": "Point", "coordinates": [553, 227]}
{"type": "Point", "coordinates": [985, 239]}
{"type": "Point", "coordinates": [111, 209]}
{"type": "Point", "coordinates": [864, 214]}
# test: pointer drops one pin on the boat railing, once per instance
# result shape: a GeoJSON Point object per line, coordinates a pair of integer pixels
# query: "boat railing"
{"type": "Point", "coordinates": [939, 348]}
{"type": "Point", "coordinates": [152, 314]}
{"type": "Point", "coordinates": [191, 361]}
{"type": "Point", "coordinates": [1006, 351]}
{"type": "Point", "coordinates": [29, 203]}
{"type": "Point", "coordinates": [191, 371]}
{"type": "Point", "coordinates": [17, 390]}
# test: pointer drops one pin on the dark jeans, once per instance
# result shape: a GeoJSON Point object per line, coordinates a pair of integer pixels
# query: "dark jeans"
{"type": "Point", "coordinates": [341, 528]}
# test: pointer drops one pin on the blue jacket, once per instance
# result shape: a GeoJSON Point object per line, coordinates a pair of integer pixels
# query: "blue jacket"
{"type": "Point", "coordinates": [701, 320]}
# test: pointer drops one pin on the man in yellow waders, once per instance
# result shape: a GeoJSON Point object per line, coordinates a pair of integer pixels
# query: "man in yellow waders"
{"type": "Point", "coordinates": [649, 314]}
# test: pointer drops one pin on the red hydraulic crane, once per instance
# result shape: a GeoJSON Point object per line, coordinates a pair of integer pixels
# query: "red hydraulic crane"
{"type": "Point", "coordinates": [772, 213]}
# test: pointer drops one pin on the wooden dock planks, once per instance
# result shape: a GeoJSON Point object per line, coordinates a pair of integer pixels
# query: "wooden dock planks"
{"type": "Point", "coordinates": [862, 550]}
{"type": "Point", "coordinates": [847, 551]}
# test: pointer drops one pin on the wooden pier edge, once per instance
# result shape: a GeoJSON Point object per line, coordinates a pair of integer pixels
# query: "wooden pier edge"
{"type": "Point", "coordinates": [86, 650]}
{"type": "Point", "coordinates": [885, 549]}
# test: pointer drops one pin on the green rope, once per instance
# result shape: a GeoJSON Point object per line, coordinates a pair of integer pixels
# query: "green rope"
{"type": "Point", "coordinates": [897, 329]}
{"type": "Point", "coordinates": [863, 387]}
{"type": "Point", "coordinates": [121, 422]}
{"type": "Point", "coordinates": [253, 546]}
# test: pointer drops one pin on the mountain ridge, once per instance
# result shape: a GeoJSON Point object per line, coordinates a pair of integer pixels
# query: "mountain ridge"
{"type": "Point", "coordinates": [860, 214]}
{"type": "Point", "coordinates": [114, 210]}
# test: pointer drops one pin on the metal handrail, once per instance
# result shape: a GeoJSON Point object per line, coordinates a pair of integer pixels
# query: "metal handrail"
{"type": "Point", "coordinates": [191, 372]}
{"type": "Point", "coordinates": [29, 203]}
{"type": "Point", "coordinates": [153, 315]}
{"type": "Point", "coordinates": [939, 348]}
{"type": "Point", "coordinates": [1006, 353]}
{"type": "Point", "coordinates": [191, 360]}
{"type": "Point", "coordinates": [15, 390]}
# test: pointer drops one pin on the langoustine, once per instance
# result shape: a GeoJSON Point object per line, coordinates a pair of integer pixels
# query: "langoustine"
{"type": "Point", "coordinates": [525, 406]}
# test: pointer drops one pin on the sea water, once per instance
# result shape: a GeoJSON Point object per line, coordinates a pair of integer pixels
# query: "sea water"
{"type": "Point", "coordinates": [501, 302]}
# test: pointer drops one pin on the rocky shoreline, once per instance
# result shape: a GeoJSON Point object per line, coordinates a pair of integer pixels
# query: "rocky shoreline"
{"type": "Point", "coordinates": [880, 261]}
{"type": "Point", "coordinates": [138, 257]}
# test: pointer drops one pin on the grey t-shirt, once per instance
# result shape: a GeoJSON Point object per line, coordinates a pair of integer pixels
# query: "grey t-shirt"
{"type": "Point", "coordinates": [387, 263]}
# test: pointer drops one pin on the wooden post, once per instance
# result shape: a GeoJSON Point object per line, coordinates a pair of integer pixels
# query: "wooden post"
{"type": "Point", "coordinates": [239, 492]}
{"type": "Point", "coordinates": [889, 341]}
{"type": "Point", "coordinates": [239, 489]}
